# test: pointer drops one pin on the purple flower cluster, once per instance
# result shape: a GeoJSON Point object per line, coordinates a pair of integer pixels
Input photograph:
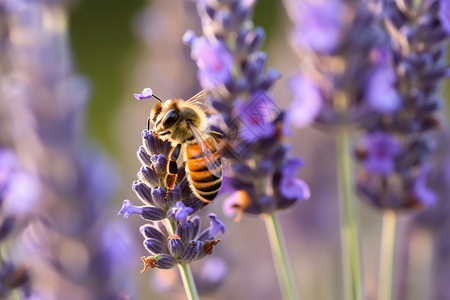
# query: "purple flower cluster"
{"type": "Point", "coordinates": [231, 67]}
{"type": "Point", "coordinates": [58, 185]}
{"type": "Point", "coordinates": [404, 90]}
{"type": "Point", "coordinates": [335, 41]}
{"type": "Point", "coordinates": [378, 67]}
{"type": "Point", "coordinates": [173, 235]}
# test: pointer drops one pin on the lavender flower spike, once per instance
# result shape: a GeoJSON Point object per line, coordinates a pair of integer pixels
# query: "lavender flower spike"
{"type": "Point", "coordinates": [232, 68]}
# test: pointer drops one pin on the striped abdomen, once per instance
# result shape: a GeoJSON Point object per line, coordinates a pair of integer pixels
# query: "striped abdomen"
{"type": "Point", "coordinates": [205, 178]}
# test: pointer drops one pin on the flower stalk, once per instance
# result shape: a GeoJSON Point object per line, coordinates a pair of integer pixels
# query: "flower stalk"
{"type": "Point", "coordinates": [349, 230]}
{"type": "Point", "coordinates": [280, 258]}
{"type": "Point", "coordinates": [188, 281]}
{"type": "Point", "coordinates": [387, 256]}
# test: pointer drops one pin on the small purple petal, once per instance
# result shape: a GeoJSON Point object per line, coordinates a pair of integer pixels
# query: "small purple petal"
{"type": "Point", "coordinates": [189, 37]}
{"type": "Point", "coordinates": [292, 187]}
{"type": "Point", "coordinates": [319, 24]}
{"type": "Point", "coordinates": [230, 203]}
{"type": "Point", "coordinates": [421, 191]}
{"type": "Point", "coordinates": [215, 226]}
{"type": "Point", "coordinates": [382, 149]}
{"type": "Point", "coordinates": [128, 209]}
{"type": "Point", "coordinates": [444, 15]}
{"type": "Point", "coordinates": [22, 194]}
{"type": "Point", "coordinates": [307, 102]}
{"type": "Point", "coordinates": [214, 61]}
{"type": "Point", "coordinates": [145, 94]}
{"type": "Point", "coordinates": [7, 167]}
{"type": "Point", "coordinates": [295, 188]}
{"type": "Point", "coordinates": [381, 93]}
{"type": "Point", "coordinates": [181, 212]}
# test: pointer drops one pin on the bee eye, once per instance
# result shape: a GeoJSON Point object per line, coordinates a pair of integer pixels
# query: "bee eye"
{"type": "Point", "coordinates": [170, 118]}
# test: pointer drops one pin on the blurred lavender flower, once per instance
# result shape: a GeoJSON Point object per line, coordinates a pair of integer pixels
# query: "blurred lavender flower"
{"type": "Point", "coordinates": [252, 123]}
{"type": "Point", "coordinates": [63, 184]}
{"type": "Point", "coordinates": [173, 235]}
{"type": "Point", "coordinates": [378, 152]}
{"type": "Point", "coordinates": [319, 25]}
{"type": "Point", "coordinates": [407, 103]}
{"type": "Point", "coordinates": [335, 42]}
{"type": "Point", "coordinates": [261, 177]}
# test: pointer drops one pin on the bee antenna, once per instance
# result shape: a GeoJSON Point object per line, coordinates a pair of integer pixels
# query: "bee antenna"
{"type": "Point", "coordinates": [157, 98]}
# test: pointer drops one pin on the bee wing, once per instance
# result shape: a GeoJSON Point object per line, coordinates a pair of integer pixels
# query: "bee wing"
{"type": "Point", "coordinates": [211, 161]}
{"type": "Point", "coordinates": [199, 100]}
{"type": "Point", "coordinates": [199, 97]}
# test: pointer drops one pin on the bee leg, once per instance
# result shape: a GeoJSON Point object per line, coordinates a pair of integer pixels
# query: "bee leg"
{"type": "Point", "coordinates": [172, 169]}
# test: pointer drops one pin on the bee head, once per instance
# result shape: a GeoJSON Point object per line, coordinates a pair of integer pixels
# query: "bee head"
{"type": "Point", "coordinates": [169, 119]}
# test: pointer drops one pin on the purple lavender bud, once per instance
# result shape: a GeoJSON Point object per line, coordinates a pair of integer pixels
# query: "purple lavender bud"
{"type": "Point", "coordinates": [143, 156]}
{"type": "Point", "coordinates": [149, 176]}
{"type": "Point", "coordinates": [191, 251]}
{"type": "Point", "coordinates": [145, 94]}
{"type": "Point", "coordinates": [195, 225]}
{"type": "Point", "coordinates": [181, 212]}
{"type": "Point", "coordinates": [175, 246]}
{"type": "Point", "coordinates": [128, 209]}
{"type": "Point", "coordinates": [243, 172]}
{"type": "Point", "coordinates": [292, 187]}
{"type": "Point", "coordinates": [185, 231]}
{"type": "Point", "coordinates": [307, 102]}
{"type": "Point", "coordinates": [265, 168]}
{"type": "Point", "coordinates": [159, 164]}
{"type": "Point", "coordinates": [381, 93]}
{"type": "Point", "coordinates": [224, 20]}
{"type": "Point", "coordinates": [254, 68]}
{"type": "Point", "coordinates": [189, 37]}
{"type": "Point", "coordinates": [143, 192]}
{"type": "Point", "coordinates": [154, 246]}
{"type": "Point", "coordinates": [255, 39]}
{"type": "Point", "coordinates": [7, 226]}
{"type": "Point", "coordinates": [7, 166]}
{"type": "Point", "coordinates": [381, 151]}
{"type": "Point", "coordinates": [166, 261]}
{"type": "Point", "coordinates": [158, 194]}
{"type": "Point", "coordinates": [152, 213]}
{"type": "Point", "coordinates": [154, 145]}
{"type": "Point", "coordinates": [268, 80]}
{"type": "Point", "coordinates": [149, 231]}
{"type": "Point", "coordinates": [420, 191]}
{"type": "Point", "coordinates": [213, 60]}
{"type": "Point", "coordinates": [444, 15]}
{"type": "Point", "coordinates": [174, 196]}
{"type": "Point", "coordinates": [319, 24]}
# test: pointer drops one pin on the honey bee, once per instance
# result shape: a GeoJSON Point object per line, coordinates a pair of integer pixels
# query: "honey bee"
{"type": "Point", "coordinates": [185, 125]}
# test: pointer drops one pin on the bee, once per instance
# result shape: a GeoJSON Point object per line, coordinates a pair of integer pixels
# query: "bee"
{"type": "Point", "coordinates": [185, 125]}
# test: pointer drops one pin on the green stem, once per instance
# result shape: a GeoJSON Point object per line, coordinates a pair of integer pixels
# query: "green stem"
{"type": "Point", "coordinates": [188, 282]}
{"type": "Point", "coordinates": [280, 258]}
{"type": "Point", "coordinates": [386, 272]}
{"type": "Point", "coordinates": [349, 231]}
{"type": "Point", "coordinates": [186, 274]}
